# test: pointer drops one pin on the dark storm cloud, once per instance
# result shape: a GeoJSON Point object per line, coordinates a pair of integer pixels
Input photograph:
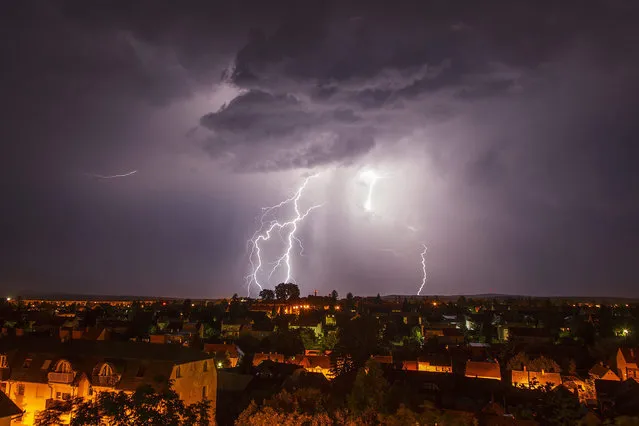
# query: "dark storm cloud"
{"type": "Point", "coordinates": [280, 129]}
{"type": "Point", "coordinates": [412, 57]}
{"type": "Point", "coordinates": [526, 109]}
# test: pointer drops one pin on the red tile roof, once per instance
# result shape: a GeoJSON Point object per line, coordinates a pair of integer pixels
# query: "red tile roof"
{"type": "Point", "coordinates": [483, 369]}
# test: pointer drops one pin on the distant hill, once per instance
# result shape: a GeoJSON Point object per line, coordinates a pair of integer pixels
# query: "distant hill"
{"type": "Point", "coordinates": [501, 297]}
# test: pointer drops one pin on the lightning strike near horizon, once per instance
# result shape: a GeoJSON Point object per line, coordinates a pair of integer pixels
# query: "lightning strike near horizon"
{"type": "Point", "coordinates": [262, 235]}
{"type": "Point", "coordinates": [423, 254]}
{"type": "Point", "coordinates": [370, 178]}
{"type": "Point", "coordinates": [96, 176]}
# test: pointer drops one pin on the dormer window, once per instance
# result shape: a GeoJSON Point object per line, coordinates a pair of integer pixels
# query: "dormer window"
{"type": "Point", "coordinates": [106, 370]}
{"type": "Point", "coordinates": [3, 361]}
{"type": "Point", "coordinates": [63, 366]}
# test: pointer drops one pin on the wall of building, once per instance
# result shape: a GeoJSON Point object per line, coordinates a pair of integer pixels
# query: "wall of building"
{"type": "Point", "coordinates": [36, 395]}
{"type": "Point", "coordinates": [425, 366]}
{"type": "Point", "coordinates": [192, 379]}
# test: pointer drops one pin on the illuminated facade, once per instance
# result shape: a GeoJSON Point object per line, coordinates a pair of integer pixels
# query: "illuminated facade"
{"type": "Point", "coordinates": [628, 363]}
{"type": "Point", "coordinates": [40, 373]}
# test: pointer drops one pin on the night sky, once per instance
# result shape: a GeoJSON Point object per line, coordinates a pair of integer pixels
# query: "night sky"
{"type": "Point", "coordinates": [504, 132]}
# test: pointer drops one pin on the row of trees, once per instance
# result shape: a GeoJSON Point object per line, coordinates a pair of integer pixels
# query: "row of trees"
{"type": "Point", "coordinates": [287, 292]}
{"type": "Point", "coordinates": [283, 292]}
{"type": "Point", "coordinates": [144, 407]}
{"type": "Point", "coordinates": [371, 401]}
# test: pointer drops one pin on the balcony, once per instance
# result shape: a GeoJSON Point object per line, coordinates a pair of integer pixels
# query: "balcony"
{"type": "Point", "coordinates": [58, 405]}
{"type": "Point", "coordinates": [106, 381]}
{"type": "Point", "coordinates": [56, 377]}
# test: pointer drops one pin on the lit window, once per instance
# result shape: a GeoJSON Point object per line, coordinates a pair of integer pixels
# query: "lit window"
{"type": "Point", "coordinates": [3, 361]}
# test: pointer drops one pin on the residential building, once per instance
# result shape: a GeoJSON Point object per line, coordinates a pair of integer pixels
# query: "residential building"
{"type": "Point", "coordinates": [40, 372]}
{"type": "Point", "coordinates": [232, 329]}
{"type": "Point", "coordinates": [627, 361]}
{"type": "Point", "coordinates": [226, 355]}
{"type": "Point", "coordinates": [315, 364]}
{"type": "Point", "coordinates": [434, 363]}
{"type": "Point", "coordinates": [483, 370]}
{"type": "Point", "coordinates": [601, 372]}
{"type": "Point", "coordinates": [309, 323]}
{"type": "Point", "coordinates": [527, 379]}
{"type": "Point", "coordinates": [261, 357]}
{"type": "Point", "coordinates": [8, 410]}
{"type": "Point", "coordinates": [383, 359]}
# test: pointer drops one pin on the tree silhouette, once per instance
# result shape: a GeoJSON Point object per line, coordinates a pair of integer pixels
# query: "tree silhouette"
{"type": "Point", "coordinates": [369, 389]}
{"type": "Point", "coordinates": [357, 340]}
{"type": "Point", "coordinates": [287, 291]}
{"type": "Point", "coordinates": [267, 295]}
{"type": "Point", "coordinates": [143, 407]}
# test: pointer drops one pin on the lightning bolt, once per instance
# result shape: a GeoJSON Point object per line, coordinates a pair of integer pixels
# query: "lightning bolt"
{"type": "Point", "coordinates": [93, 175]}
{"type": "Point", "coordinates": [423, 254]}
{"type": "Point", "coordinates": [265, 232]}
{"type": "Point", "coordinates": [371, 179]}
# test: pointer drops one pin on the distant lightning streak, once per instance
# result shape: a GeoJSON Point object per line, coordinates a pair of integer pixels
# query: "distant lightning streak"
{"type": "Point", "coordinates": [423, 254]}
{"type": "Point", "coordinates": [261, 235]}
{"type": "Point", "coordinates": [371, 179]}
{"type": "Point", "coordinates": [112, 176]}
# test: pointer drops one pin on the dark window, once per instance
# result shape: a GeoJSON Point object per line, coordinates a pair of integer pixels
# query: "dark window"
{"type": "Point", "coordinates": [20, 390]}
{"type": "Point", "coordinates": [141, 371]}
{"type": "Point", "coordinates": [206, 366]}
{"type": "Point", "coordinates": [27, 363]}
{"type": "Point", "coordinates": [204, 392]}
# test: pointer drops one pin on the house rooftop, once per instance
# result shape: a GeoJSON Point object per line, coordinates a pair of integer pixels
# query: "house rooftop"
{"type": "Point", "coordinates": [7, 407]}
{"type": "Point", "coordinates": [483, 369]}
